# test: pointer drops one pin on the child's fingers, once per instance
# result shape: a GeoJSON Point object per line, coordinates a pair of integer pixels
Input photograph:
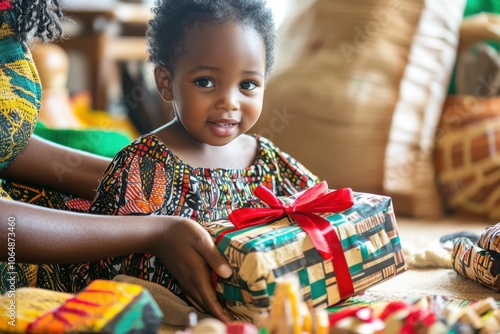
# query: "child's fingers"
{"type": "Point", "coordinates": [209, 299]}
{"type": "Point", "coordinates": [203, 298]}
{"type": "Point", "coordinates": [218, 263]}
{"type": "Point", "coordinates": [214, 258]}
{"type": "Point", "coordinates": [215, 308]}
{"type": "Point", "coordinates": [191, 266]}
{"type": "Point", "coordinates": [195, 300]}
{"type": "Point", "coordinates": [211, 255]}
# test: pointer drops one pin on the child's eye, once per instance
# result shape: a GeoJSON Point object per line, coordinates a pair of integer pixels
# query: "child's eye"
{"type": "Point", "coordinates": [204, 82]}
{"type": "Point", "coordinates": [248, 85]}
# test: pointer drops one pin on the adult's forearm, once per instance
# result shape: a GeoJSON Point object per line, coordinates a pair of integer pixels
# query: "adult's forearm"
{"type": "Point", "coordinates": [49, 236]}
{"type": "Point", "coordinates": [56, 166]}
{"type": "Point", "coordinates": [43, 235]}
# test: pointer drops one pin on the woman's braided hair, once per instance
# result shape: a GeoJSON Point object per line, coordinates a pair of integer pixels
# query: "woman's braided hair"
{"type": "Point", "coordinates": [38, 17]}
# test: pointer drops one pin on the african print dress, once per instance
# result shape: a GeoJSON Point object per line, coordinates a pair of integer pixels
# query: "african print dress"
{"type": "Point", "coordinates": [20, 93]}
{"type": "Point", "coordinates": [145, 178]}
{"type": "Point", "coordinates": [20, 99]}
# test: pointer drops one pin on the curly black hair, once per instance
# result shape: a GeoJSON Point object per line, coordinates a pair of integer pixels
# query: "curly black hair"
{"type": "Point", "coordinates": [41, 18]}
{"type": "Point", "coordinates": [172, 17]}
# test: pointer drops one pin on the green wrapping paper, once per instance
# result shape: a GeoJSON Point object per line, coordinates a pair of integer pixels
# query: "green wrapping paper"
{"type": "Point", "coordinates": [265, 254]}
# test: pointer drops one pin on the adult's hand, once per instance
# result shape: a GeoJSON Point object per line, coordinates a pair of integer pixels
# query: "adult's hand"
{"type": "Point", "coordinates": [188, 252]}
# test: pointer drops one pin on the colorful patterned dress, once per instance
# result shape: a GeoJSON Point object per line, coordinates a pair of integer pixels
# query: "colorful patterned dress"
{"type": "Point", "coordinates": [145, 178]}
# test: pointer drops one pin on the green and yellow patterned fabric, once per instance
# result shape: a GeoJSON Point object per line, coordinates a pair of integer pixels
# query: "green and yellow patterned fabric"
{"type": "Point", "coordinates": [20, 92]}
{"type": "Point", "coordinates": [20, 96]}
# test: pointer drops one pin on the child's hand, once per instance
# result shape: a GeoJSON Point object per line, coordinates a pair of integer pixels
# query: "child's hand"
{"type": "Point", "coordinates": [186, 248]}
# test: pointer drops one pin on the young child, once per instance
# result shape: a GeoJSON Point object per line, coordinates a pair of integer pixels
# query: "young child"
{"type": "Point", "coordinates": [212, 60]}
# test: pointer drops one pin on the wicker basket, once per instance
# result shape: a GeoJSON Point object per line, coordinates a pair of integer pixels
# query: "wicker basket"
{"type": "Point", "coordinates": [468, 154]}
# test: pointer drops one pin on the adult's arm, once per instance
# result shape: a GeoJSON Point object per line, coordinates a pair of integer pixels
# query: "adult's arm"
{"type": "Point", "coordinates": [44, 235]}
{"type": "Point", "coordinates": [49, 164]}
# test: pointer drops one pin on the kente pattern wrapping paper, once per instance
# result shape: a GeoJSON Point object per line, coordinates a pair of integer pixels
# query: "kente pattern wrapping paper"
{"type": "Point", "coordinates": [262, 255]}
{"type": "Point", "coordinates": [479, 262]}
{"type": "Point", "coordinates": [490, 239]}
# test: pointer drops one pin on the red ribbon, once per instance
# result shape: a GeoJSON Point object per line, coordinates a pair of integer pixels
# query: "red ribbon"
{"type": "Point", "coordinates": [316, 199]}
{"type": "Point", "coordinates": [5, 4]}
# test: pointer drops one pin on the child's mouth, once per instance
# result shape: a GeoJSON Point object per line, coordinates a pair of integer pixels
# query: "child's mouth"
{"type": "Point", "coordinates": [225, 125]}
{"type": "Point", "coordinates": [223, 129]}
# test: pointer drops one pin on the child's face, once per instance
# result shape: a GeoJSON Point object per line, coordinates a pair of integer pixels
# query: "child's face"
{"type": "Point", "coordinates": [217, 86]}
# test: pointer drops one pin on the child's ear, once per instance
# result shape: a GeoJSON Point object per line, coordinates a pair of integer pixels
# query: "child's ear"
{"type": "Point", "coordinates": [163, 79]}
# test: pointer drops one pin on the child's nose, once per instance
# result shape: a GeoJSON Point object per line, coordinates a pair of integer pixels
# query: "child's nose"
{"type": "Point", "coordinates": [228, 100]}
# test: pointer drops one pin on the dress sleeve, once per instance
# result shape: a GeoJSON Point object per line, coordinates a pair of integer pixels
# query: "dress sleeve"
{"type": "Point", "coordinates": [135, 182]}
{"type": "Point", "coordinates": [295, 177]}
{"type": "Point", "coordinates": [20, 91]}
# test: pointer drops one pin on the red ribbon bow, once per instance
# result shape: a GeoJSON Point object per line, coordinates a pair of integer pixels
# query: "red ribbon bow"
{"type": "Point", "coordinates": [316, 199]}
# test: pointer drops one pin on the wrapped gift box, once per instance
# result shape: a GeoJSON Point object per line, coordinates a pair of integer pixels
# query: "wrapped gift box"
{"type": "Point", "coordinates": [368, 251]}
{"type": "Point", "coordinates": [476, 263]}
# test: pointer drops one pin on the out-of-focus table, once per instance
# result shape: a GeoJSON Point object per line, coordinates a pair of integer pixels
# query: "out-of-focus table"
{"type": "Point", "coordinates": [108, 31]}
